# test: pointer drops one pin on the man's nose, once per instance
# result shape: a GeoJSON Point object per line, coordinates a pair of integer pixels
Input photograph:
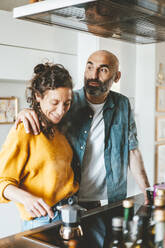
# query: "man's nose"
{"type": "Point", "coordinates": [95, 74]}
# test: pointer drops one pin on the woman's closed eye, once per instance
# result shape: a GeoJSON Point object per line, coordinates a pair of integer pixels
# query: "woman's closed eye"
{"type": "Point", "coordinates": [54, 103]}
{"type": "Point", "coordinates": [68, 103]}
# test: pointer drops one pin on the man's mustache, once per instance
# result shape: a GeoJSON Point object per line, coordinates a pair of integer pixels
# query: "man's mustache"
{"type": "Point", "coordinates": [88, 81]}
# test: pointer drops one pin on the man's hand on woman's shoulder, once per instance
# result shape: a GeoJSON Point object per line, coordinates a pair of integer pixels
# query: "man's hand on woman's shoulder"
{"type": "Point", "coordinates": [30, 121]}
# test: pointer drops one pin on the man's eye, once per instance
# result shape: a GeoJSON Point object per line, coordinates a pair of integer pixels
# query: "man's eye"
{"type": "Point", "coordinates": [89, 68]}
{"type": "Point", "coordinates": [104, 70]}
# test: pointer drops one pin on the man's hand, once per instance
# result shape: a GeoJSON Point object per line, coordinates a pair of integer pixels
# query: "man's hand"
{"type": "Point", "coordinates": [30, 121]}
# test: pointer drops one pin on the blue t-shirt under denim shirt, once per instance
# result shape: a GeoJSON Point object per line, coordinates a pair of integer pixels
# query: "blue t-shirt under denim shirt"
{"type": "Point", "coordinates": [120, 138]}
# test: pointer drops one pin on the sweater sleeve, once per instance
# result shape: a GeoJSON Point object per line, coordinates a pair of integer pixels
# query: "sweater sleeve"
{"type": "Point", "coordinates": [13, 159]}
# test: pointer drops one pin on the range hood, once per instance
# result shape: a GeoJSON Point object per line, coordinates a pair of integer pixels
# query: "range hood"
{"type": "Point", "coordinates": [137, 21]}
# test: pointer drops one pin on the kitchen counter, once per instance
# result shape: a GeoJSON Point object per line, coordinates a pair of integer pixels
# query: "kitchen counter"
{"type": "Point", "coordinates": [47, 236]}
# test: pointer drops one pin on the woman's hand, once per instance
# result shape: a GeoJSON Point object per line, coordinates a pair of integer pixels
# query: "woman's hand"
{"type": "Point", "coordinates": [30, 121]}
{"type": "Point", "coordinates": [36, 206]}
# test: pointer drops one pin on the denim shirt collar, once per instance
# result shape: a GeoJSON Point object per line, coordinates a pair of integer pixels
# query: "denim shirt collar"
{"type": "Point", "coordinates": [109, 103]}
{"type": "Point", "coordinates": [82, 98]}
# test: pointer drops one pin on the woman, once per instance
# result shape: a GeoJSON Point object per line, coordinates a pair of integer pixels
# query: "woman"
{"type": "Point", "coordinates": [35, 171]}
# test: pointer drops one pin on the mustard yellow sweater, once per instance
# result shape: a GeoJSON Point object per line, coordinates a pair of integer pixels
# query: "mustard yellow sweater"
{"type": "Point", "coordinates": [37, 165]}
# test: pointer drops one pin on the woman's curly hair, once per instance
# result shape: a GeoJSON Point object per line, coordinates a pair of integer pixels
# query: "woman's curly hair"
{"type": "Point", "coordinates": [46, 77]}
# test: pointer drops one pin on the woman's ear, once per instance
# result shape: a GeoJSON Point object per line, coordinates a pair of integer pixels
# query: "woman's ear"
{"type": "Point", "coordinates": [117, 77]}
{"type": "Point", "coordinates": [38, 97]}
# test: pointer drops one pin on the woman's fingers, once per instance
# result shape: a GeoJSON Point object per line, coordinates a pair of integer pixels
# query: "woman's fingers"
{"type": "Point", "coordinates": [40, 208]}
{"type": "Point", "coordinates": [32, 214]}
{"type": "Point", "coordinates": [47, 208]}
{"type": "Point", "coordinates": [37, 208]}
{"type": "Point", "coordinates": [35, 213]}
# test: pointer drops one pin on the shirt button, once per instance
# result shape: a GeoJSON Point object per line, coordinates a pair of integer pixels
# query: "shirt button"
{"type": "Point", "coordinates": [85, 131]}
{"type": "Point", "coordinates": [90, 116]}
{"type": "Point", "coordinates": [81, 147]}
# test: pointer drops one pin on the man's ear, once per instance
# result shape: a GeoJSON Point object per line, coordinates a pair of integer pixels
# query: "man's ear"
{"type": "Point", "coordinates": [117, 77]}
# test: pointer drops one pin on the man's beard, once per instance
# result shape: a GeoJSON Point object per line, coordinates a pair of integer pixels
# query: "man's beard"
{"type": "Point", "coordinates": [100, 89]}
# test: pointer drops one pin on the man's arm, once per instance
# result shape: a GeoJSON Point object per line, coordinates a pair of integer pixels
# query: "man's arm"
{"type": "Point", "coordinates": [136, 166]}
{"type": "Point", "coordinates": [30, 121]}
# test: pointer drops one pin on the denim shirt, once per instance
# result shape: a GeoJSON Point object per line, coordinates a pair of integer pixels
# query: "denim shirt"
{"type": "Point", "coordinates": [120, 138]}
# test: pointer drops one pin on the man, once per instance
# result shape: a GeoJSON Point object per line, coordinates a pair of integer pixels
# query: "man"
{"type": "Point", "coordinates": [102, 131]}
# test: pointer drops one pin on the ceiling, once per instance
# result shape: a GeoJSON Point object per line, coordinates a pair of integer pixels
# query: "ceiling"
{"type": "Point", "coordinates": [8, 5]}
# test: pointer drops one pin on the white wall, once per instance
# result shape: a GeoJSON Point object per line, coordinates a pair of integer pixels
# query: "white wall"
{"type": "Point", "coordinates": [145, 104]}
{"type": "Point", "coordinates": [36, 36]}
{"type": "Point", "coordinates": [87, 44]}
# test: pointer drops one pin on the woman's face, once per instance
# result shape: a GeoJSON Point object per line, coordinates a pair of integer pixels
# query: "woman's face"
{"type": "Point", "coordinates": [55, 103]}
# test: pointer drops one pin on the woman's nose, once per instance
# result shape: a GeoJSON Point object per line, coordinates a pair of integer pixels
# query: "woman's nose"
{"type": "Point", "coordinates": [60, 109]}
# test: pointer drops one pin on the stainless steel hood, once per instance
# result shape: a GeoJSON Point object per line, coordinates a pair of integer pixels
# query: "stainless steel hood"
{"type": "Point", "coordinates": [137, 21]}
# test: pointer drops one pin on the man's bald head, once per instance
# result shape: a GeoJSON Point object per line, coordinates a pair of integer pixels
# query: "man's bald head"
{"type": "Point", "coordinates": [104, 54]}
